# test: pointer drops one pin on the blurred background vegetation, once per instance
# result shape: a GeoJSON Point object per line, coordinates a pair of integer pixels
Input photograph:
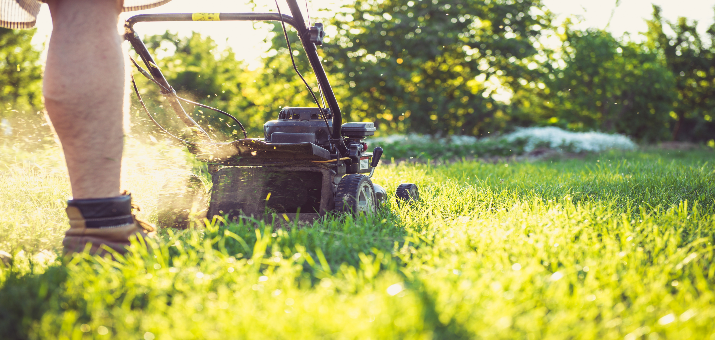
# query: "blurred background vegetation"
{"type": "Point", "coordinates": [432, 68]}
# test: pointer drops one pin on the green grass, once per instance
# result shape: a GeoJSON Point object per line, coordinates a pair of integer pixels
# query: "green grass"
{"type": "Point", "coordinates": [608, 246]}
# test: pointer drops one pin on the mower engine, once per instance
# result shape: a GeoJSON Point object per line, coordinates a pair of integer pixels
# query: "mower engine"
{"type": "Point", "coordinates": [306, 125]}
{"type": "Point", "coordinates": [295, 170]}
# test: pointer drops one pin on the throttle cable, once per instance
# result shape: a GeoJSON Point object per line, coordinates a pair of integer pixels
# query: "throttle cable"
{"type": "Point", "coordinates": [166, 91]}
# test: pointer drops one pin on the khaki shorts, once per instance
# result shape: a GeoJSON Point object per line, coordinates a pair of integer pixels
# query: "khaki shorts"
{"type": "Point", "coordinates": [23, 13]}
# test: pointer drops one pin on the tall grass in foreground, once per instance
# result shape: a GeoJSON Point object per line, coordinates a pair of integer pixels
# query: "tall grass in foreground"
{"type": "Point", "coordinates": [610, 246]}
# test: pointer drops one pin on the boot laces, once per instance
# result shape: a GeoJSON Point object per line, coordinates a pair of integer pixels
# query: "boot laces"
{"type": "Point", "coordinates": [148, 227]}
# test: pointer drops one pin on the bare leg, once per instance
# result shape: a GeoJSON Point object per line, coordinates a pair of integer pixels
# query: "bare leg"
{"type": "Point", "coordinates": [85, 92]}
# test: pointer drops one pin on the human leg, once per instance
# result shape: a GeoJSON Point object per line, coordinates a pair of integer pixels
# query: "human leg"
{"type": "Point", "coordinates": [86, 100]}
{"type": "Point", "coordinates": [85, 93]}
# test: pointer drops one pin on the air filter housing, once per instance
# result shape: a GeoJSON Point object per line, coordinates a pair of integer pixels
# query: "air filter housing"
{"type": "Point", "coordinates": [358, 130]}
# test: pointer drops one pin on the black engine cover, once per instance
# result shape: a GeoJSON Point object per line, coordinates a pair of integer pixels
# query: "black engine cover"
{"type": "Point", "coordinates": [299, 125]}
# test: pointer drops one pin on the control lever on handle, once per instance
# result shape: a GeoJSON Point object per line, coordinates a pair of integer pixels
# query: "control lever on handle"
{"type": "Point", "coordinates": [376, 154]}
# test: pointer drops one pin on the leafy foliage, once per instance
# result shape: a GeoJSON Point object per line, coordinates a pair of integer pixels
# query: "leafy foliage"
{"type": "Point", "coordinates": [199, 71]}
{"type": "Point", "coordinates": [434, 67]}
{"type": "Point", "coordinates": [604, 85]}
{"type": "Point", "coordinates": [20, 72]}
{"type": "Point", "coordinates": [276, 84]}
{"type": "Point", "coordinates": [692, 62]}
{"type": "Point", "coordinates": [413, 66]}
{"type": "Point", "coordinates": [22, 121]}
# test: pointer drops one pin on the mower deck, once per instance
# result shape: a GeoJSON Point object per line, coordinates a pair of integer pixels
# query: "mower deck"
{"type": "Point", "coordinates": [291, 192]}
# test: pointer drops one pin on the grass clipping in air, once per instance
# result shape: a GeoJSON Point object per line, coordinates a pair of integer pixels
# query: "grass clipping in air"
{"type": "Point", "coordinates": [610, 246]}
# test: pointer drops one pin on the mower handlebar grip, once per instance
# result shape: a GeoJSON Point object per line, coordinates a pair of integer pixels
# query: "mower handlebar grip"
{"type": "Point", "coordinates": [376, 154]}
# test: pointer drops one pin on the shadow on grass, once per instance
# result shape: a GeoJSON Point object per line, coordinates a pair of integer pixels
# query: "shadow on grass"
{"type": "Point", "coordinates": [25, 298]}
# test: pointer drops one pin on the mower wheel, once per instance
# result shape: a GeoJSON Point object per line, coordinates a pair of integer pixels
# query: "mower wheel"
{"type": "Point", "coordinates": [356, 195]}
{"type": "Point", "coordinates": [380, 194]}
{"type": "Point", "coordinates": [407, 192]}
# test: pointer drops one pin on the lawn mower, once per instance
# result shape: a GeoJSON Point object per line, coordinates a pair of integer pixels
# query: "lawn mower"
{"type": "Point", "coordinates": [308, 162]}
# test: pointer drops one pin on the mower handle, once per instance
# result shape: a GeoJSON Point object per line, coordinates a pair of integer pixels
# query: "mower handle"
{"type": "Point", "coordinates": [312, 53]}
{"type": "Point", "coordinates": [296, 20]}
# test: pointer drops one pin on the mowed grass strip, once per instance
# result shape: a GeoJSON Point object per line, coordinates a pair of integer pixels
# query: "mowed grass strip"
{"type": "Point", "coordinates": [608, 246]}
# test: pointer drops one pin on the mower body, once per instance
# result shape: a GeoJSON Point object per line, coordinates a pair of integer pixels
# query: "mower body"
{"type": "Point", "coordinates": [308, 162]}
{"type": "Point", "coordinates": [290, 172]}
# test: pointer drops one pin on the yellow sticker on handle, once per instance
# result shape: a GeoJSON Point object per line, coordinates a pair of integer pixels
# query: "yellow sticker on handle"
{"type": "Point", "coordinates": [205, 16]}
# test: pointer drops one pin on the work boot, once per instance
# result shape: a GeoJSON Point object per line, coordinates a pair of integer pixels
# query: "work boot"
{"type": "Point", "coordinates": [103, 222]}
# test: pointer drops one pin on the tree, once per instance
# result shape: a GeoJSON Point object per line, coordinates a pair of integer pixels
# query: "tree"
{"type": "Point", "coordinates": [20, 72]}
{"type": "Point", "coordinates": [602, 84]}
{"type": "Point", "coordinates": [199, 71]}
{"type": "Point", "coordinates": [691, 62]}
{"type": "Point", "coordinates": [276, 83]}
{"type": "Point", "coordinates": [421, 65]}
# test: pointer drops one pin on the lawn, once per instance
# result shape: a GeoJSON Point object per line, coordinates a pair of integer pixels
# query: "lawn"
{"type": "Point", "coordinates": [602, 246]}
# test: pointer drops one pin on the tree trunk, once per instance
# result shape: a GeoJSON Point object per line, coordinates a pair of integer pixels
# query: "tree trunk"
{"type": "Point", "coordinates": [676, 129]}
